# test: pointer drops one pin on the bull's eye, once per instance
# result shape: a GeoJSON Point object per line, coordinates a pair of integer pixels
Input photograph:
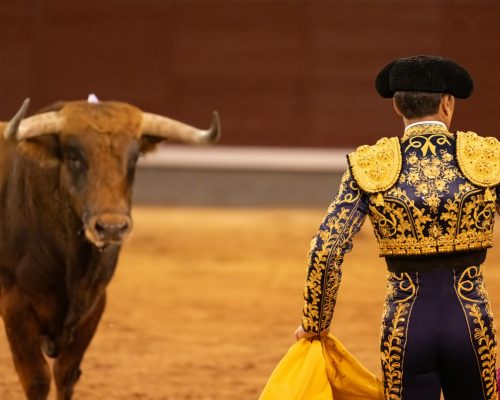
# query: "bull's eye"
{"type": "Point", "coordinates": [75, 162]}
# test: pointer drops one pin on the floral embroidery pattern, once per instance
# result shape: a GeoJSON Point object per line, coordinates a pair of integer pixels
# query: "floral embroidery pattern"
{"type": "Point", "coordinates": [433, 208]}
{"type": "Point", "coordinates": [473, 297]}
{"type": "Point", "coordinates": [343, 220]}
{"type": "Point", "coordinates": [487, 349]}
{"type": "Point", "coordinates": [392, 362]}
{"type": "Point", "coordinates": [430, 177]}
{"type": "Point", "coordinates": [400, 297]}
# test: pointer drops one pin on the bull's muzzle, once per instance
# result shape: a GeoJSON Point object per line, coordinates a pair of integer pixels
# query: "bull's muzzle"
{"type": "Point", "coordinates": [108, 229]}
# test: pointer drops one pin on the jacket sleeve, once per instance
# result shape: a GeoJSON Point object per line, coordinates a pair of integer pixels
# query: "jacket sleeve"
{"type": "Point", "coordinates": [497, 200]}
{"type": "Point", "coordinates": [343, 220]}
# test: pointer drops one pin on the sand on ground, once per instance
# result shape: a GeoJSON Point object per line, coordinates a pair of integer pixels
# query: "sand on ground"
{"type": "Point", "coordinates": [205, 301]}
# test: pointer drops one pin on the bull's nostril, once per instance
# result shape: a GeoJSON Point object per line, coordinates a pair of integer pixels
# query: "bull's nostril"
{"type": "Point", "coordinates": [121, 227]}
{"type": "Point", "coordinates": [100, 228]}
{"type": "Point", "coordinates": [111, 229]}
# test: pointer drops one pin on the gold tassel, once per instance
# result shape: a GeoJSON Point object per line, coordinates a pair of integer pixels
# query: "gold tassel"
{"type": "Point", "coordinates": [379, 202]}
{"type": "Point", "coordinates": [488, 196]}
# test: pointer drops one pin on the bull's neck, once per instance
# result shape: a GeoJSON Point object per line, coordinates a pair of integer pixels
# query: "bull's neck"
{"type": "Point", "coordinates": [37, 207]}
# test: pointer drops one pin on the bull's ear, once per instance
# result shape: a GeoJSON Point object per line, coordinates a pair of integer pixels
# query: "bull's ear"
{"type": "Point", "coordinates": [149, 143]}
{"type": "Point", "coordinates": [44, 150]}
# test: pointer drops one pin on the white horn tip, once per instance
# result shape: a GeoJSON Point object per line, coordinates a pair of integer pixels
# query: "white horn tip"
{"type": "Point", "coordinates": [214, 132]}
{"type": "Point", "coordinates": [26, 103]}
{"type": "Point", "coordinates": [92, 99]}
{"type": "Point", "coordinates": [10, 131]}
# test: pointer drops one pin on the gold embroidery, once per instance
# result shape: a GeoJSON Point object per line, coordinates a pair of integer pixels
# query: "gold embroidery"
{"type": "Point", "coordinates": [487, 350]}
{"type": "Point", "coordinates": [392, 353]}
{"type": "Point", "coordinates": [472, 295]}
{"type": "Point", "coordinates": [334, 238]}
{"type": "Point", "coordinates": [491, 317]}
{"type": "Point", "coordinates": [466, 285]}
{"type": "Point", "coordinates": [394, 344]}
{"type": "Point", "coordinates": [426, 129]}
{"type": "Point", "coordinates": [432, 209]}
{"type": "Point", "coordinates": [427, 144]}
{"type": "Point", "coordinates": [391, 288]}
{"type": "Point", "coordinates": [469, 219]}
{"type": "Point", "coordinates": [376, 168]}
{"type": "Point", "coordinates": [479, 158]}
{"type": "Point", "coordinates": [430, 177]}
{"type": "Point", "coordinates": [405, 285]}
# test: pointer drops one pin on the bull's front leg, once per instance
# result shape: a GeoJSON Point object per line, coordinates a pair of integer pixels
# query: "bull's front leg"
{"type": "Point", "coordinates": [67, 364]}
{"type": "Point", "coordinates": [23, 334]}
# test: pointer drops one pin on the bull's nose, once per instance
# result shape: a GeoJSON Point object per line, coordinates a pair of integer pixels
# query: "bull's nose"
{"type": "Point", "coordinates": [108, 228]}
{"type": "Point", "coordinates": [111, 229]}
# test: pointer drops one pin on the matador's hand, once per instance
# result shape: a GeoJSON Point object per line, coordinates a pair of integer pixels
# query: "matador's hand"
{"type": "Point", "coordinates": [300, 333]}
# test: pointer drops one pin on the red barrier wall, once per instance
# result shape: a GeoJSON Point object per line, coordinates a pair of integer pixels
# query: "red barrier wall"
{"type": "Point", "coordinates": [282, 73]}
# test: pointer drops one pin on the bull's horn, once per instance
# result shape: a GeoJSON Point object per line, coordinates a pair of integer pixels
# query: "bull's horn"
{"type": "Point", "coordinates": [36, 125]}
{"type": "Point", "coordinates": [11, 128]}
{"type": "Point", "coordinates": [157, 125]}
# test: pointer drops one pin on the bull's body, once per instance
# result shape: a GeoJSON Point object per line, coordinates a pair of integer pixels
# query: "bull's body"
{"type": "Point", "coordinates": [52, 280]}
{"type": "Point", "coordinates": [55, 260]}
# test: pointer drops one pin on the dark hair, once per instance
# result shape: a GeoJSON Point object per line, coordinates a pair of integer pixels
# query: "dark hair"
{"type": "Point", "coordinates": [417, 104]}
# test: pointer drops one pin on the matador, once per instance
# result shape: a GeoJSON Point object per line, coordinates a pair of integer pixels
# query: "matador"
{"type": "Point", "coordinates": [431, 197]}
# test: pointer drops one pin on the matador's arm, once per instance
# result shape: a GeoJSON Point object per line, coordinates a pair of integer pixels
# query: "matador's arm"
{"type": "Point", "coordinates": [333, 240]}
{"type": "Point", "coordinates": [497, 204]}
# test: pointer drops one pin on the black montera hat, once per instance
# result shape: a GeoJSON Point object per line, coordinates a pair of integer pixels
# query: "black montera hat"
{"type": "Point", "coordinates": [424, 74]}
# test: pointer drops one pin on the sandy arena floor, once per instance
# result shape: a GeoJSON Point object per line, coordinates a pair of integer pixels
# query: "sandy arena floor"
{"type": "Point", "coordinates": [205, 302]}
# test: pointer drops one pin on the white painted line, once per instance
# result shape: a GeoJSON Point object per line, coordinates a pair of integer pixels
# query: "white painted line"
{"type": "Point", "coordinates": [248, 158]}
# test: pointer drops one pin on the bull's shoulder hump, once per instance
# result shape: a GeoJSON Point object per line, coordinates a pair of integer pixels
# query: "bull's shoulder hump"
{"type": "Point", "coordinates": [479, 158]}
{"type": "Point", "coordinates": [376, 168]}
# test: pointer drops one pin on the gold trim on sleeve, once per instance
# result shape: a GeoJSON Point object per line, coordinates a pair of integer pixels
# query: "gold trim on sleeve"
{"type": "Point", "coordinates": [479, 158]}
{"type": "Point", "coordinates": [376, 168]}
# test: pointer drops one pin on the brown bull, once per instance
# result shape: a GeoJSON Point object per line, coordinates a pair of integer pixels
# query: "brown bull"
{"type": "Point", "coordinates": [65, 197]}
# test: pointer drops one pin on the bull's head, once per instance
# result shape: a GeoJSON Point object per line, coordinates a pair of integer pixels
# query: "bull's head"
{"type": "Point", "coordinates": [95, 146]}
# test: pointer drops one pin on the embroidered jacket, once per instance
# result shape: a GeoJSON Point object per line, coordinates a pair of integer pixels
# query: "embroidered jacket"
{"type": "Point", "coordinates": [430, 192]}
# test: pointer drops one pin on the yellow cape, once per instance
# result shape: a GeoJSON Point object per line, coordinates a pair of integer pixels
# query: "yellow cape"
{"type": "Point", "coordinates": [321, 370]}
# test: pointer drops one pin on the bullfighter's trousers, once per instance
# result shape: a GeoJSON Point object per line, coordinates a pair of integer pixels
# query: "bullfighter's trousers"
{"type": "Point", "coordinates": [438, 334]}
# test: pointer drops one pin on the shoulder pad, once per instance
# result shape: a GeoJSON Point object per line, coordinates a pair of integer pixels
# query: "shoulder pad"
{"type": "Point", "coordinates": [376, 168]}
{"type": "Point", "coordinates": [479, 158]}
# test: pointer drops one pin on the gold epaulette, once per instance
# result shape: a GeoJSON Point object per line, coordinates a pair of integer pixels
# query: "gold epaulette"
{"type": "Point", "coordinates": [376, 168]}
{"type": "Point", "coordinates": [479, 158]}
